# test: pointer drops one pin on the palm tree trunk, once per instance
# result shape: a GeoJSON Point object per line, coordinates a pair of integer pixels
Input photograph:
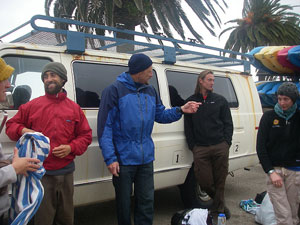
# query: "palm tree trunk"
{"type": "Point", "coordinates": [124, 48]}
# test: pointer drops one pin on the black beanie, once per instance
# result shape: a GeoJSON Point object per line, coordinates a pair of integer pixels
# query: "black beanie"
{"type": "Point", "coordinates": [288, 89]}
{"type": "Point", "coordinates": [138, 63]}
{"type": "Point", "coordinates": [57, 68]}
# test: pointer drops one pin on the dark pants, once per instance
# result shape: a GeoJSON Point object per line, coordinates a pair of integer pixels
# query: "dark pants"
{"type": "Point", "coordinates": [57, 204]}
{"type": "Point", "coordinates": [211, 169]}
{"type": "Point", "coordinates": [2, 220]}
{"type": "Point", "coordinates": [142, 178]}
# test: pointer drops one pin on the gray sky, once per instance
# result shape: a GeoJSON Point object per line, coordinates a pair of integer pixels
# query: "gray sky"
{"type": "Point", "coordinates": [15, 12]}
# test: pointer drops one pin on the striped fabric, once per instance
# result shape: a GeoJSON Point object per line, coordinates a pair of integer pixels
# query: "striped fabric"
{"type": "Point", "coordinates": [28, 192]}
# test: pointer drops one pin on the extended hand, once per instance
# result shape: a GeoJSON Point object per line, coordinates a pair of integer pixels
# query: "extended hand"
{"type": "Point", "coordinates": [114, 168]}
{"type": "Point", "coordinates": [22, 165]}
{"type": "Point", "coordinates": [190, 107]}
{"type": "Point", "coordinates": [61, 151]}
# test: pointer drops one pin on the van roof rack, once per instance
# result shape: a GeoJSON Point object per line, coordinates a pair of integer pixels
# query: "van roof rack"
{"type": "Point", "coordinates": [159, 46]}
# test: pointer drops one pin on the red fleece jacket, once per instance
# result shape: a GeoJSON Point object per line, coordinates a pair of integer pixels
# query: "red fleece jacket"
{"type": "Point", "coordinates": [58, 118]}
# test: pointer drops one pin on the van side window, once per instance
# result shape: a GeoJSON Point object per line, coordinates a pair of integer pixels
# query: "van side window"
{"type": "Point", "coordinates": [223, 86]}
{"type": "Point", "coordinates": [92, 78]}
{"type": "Point", "coordinates": [182, 85]}
{"type": "Point", "coordinates": [26, 82]}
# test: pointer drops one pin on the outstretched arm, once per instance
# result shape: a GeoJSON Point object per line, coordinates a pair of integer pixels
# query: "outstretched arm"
{"type": "Point", "coordinates": [190, 107]}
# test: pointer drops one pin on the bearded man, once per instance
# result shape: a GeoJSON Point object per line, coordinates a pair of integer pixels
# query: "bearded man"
{"type": "Point", "coordinates": [63, 121]}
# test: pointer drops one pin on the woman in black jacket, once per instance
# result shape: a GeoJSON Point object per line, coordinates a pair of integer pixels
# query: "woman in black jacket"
{"type": "Point", "coordinates": [278, 149]}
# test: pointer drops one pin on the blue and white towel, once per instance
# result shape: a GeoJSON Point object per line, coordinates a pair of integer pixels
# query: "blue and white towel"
{"type": "Point", "coordinates": [28, 192]}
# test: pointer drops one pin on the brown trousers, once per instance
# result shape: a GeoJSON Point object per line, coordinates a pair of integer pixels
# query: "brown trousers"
{"type": "Point", "coordinates": [211, 169]}
{"type": "Point", "coordinates": [57, 205]}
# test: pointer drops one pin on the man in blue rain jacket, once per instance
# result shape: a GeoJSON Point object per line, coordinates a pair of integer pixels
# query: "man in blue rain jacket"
{"type": "Point", "coordinates": [126, 117]}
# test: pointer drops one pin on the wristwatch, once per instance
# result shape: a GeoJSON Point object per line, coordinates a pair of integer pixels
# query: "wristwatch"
{"type": "Point", "coordinates": [179, 110]}
{"type": "Point", "coordinates": [270, 172]}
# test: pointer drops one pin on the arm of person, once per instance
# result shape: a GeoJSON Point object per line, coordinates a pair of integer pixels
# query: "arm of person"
{"type": "Point", "coordinates": [275, 178]}
{"type": "Point", "coordinates": [107, 116]}
{"type": "Point", "coordinates": [261, 143]}
{"type": "Point", "coordinates": [8, 174]}
{"type": "Point", "coordinates": [114, 168]}
{"type": "Point", "coordinates": [189, 131]}
{"type": "Point", "coordinates": [190, 107]}
{"type": "Point", "coordinates": [227, 121]}
{"type": "Point", "coordinates": [25, 130]}
{"type": "Point", "coordinates": [17, 126]}
{"type": "Point", "coordinates": [163, 115]}
{"type": "Point", "coordinates": [24, 164]}
{"type": "Point", "coordinates": [61, 151]}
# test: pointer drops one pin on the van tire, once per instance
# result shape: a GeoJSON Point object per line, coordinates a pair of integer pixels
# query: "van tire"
{"type": "Point", "coordinates": [191, 194]}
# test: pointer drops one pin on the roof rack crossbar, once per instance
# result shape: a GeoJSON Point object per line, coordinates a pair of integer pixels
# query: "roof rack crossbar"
{"type": "Point", "coordinates": [171, 48]}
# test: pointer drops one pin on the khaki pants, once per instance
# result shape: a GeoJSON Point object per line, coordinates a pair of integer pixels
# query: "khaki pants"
{"type": "Point", "coordinates": [57, 205]}
{"type": "Point", "coordinates": [211, 169]}
{"type": "Point", "coordinates": [285, 199]}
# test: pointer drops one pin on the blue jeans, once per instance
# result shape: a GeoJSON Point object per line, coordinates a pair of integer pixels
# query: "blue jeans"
{"type": "Point", "coordinates": [142, 178]}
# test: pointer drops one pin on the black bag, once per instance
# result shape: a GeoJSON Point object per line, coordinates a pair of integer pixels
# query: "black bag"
{"type": "Point", "coordinates": [178, 217]}
{"type": "Point", "coordinates": [260, 196]}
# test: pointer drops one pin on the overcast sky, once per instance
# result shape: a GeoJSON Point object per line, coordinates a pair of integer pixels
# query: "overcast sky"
{"type": "Point", "coordinates": [15, 12]}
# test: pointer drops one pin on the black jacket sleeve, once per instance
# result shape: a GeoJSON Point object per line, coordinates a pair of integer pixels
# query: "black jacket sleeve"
{"type": "Point", "coordinates": [188, 130]}
{"type": "Point", "coordinates": [261, 143]}
{"type": "Point", "coordinates": [227, 121]}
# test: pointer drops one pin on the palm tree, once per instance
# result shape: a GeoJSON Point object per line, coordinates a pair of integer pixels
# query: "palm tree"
{"type": "Point", "coordinates": [159, 15]}
{"type": "Point", "coordinates": [264, 22]}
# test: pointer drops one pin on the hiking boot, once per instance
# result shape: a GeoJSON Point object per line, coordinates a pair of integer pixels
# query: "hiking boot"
{"type": "Point", "coordinates": [227, 213]}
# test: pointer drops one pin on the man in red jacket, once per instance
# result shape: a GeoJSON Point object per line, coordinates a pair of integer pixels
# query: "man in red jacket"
{"type": "Point", "coordinates": [63, 121]}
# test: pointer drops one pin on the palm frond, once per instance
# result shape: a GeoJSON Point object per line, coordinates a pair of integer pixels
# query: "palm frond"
{"type": "Point", "coordinates": [118, 3]}
{"type": "Point", "coordinates": [139, 5]}
{"type": "Point", "coordinates": [109, 12]}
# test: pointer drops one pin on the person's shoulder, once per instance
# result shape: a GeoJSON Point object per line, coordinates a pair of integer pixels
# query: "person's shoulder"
{"type": "Point", "coordinates": [34, 102]}
{"type": "Point", "coordinates": [218, 96]}
{"type": "Point", "coordinates": [269, 114]}
{"type": "Point", "coordinates": [71, 102]}
{"type": "Point", "coordinates": [150, 89]}
{"type": "Point", "coordinates": [192, 98]}
{"type": "Point", "coordinates": [113, 87]}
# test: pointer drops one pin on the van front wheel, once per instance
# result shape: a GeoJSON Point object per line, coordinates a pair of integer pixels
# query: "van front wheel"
{"type": "Point", "coordinates": [191, 193]}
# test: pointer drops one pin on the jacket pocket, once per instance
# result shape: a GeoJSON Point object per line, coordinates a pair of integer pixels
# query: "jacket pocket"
{"type": "Point", "coordinates": [69, 126]}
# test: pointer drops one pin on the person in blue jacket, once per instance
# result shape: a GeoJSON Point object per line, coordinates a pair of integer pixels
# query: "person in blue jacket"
{"type": "Point", "coordinates": [127, 112]}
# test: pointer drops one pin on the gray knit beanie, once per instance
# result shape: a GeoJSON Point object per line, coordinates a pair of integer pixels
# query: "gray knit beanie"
{"type": "Point", "coordinates": [57, 68]}
{"type": "Point", "coordinates": [288, 89]}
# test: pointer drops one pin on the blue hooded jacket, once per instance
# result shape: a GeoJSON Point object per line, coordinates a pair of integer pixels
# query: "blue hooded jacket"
{"type": "Point", "coordinates": [125, 121]}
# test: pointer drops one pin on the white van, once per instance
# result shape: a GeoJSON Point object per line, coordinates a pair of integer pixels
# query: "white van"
{"type": "Point", "coordinates": [91, 70]}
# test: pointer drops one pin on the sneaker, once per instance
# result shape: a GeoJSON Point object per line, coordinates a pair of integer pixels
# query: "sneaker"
{"type": "Point", "coordinates": [227, 213]}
